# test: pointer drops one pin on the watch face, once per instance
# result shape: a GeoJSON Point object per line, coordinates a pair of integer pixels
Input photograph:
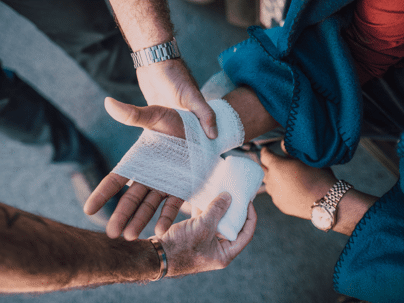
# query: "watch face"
{"type": "Point", "coordinates": [321, 218]}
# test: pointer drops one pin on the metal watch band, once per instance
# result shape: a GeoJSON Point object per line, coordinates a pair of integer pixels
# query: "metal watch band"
{"type": "Point", "coordinates": [157, 53]}
{"type": "Point", "coordinates": [336, 192]}
{"type": "Point", "coordinates": [162, 257]}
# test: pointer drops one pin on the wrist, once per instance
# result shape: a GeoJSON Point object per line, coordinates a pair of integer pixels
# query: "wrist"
{"type": "Point", "coordinates": [179, 260]}
{"type": "Point", "coordinates": [173, 268]}
{"type": "Point", "coordinates": [135, 261]}
{"type": "Point", "coordinates": [162, 258]}
{"type": "Point", "coordinates": [352, 207]}
{"type": "Point", "coordinates": [163, 66]}
{"type": "Point", "coordinates": [253, 115]}
{"type": "Point", "coordinates": [155, 54]}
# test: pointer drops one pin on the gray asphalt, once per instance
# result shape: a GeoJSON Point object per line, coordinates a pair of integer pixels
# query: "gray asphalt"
{"type": "Point", "coordinates": [287, 261]}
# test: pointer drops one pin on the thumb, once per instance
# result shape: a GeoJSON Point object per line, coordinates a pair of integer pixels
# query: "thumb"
{"type": "Point", "coordinates": [216, 209]}
{"type": "Point", "coordinates": [269, 158]}
{"type": "Point", "coordinates": [205, 114]}
{"type": "Point", "coordinates": [145, 117]}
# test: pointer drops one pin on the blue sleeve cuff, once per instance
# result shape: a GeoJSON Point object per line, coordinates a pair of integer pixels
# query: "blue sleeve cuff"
{"type": "Point", "coordinates": [371, 266]}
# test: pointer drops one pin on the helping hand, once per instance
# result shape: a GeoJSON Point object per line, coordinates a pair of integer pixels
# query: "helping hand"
{"type": "Point", "coordinates": [170, 84]}
{"type": "Point", "coordinates": [192, 245]}
{"type": "Point", "coordinates": [139, 202]}
{"type": "Point", "coordinates": [293, 185]}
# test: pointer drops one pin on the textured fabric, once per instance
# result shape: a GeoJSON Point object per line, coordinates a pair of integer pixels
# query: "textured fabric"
{"type": "Point", "coordinates": [303, 86]}
{"type": "Point", "coordinates": [239, 176]}
{"type": "Point", "coordinates": [193, 170]}
{"type": "Point", "coordinates": [176, 166]}
{"type": "Point", "coordinates": [371, 266]}
{"type": "Point", "coordinates": [376, 36]}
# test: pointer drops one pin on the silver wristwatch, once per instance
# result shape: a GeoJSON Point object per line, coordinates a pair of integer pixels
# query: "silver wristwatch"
{"type": "Point", "coordinates": [324, 211]}
{"type": "Point", "coordinates": [157, 53]}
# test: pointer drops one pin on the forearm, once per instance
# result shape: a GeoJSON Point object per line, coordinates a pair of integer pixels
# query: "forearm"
{"type": "Point", "coordinates": [38, 254]}
{"type": "Point", "coordinates": [255, 118]}
{"type": "Point", "coordinates": [143, 23]}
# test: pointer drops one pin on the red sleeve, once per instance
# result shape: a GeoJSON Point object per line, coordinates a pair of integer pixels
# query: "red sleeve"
{"type": "Point", "coordinates": [376, 36]}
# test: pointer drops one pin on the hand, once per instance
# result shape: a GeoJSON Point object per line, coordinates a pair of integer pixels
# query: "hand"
{"type": "Point", "coordinates": [170, 84]}
{"type": "Point", "coordinates": [138, 205]}
{"type": "Point", "coordinates": [293, 185]}
{"type": "Point", "coordinates": [192, 245]}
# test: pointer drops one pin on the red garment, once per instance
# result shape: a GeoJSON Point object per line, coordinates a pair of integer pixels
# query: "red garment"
{"type": "Point", "coordinates": [376, 36]}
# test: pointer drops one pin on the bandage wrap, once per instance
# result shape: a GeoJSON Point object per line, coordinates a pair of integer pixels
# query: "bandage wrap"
{"type": "Point", "coordinates": [192, 169]}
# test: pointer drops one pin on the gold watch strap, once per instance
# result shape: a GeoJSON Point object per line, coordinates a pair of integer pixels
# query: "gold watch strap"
{"type": "Point", "coordinates": [336, 192]}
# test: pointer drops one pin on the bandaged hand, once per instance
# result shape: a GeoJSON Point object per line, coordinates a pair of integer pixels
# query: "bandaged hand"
{"type": "Point", "coordinates": [138, 205]}
{"type": "Point", "coordinates": [187, 169]}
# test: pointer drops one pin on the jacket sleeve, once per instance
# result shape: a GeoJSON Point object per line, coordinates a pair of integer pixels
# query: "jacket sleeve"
{"type": "Point", "coordinates": [305, 78]}
{"type": "Point", "coordinates": [371, 266]}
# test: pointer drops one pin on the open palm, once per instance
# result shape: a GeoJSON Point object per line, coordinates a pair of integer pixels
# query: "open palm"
{"type": "Point", "coordinates": [139, 203]}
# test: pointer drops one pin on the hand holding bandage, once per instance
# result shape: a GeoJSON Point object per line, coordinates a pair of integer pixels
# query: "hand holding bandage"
{"type": "Point", "coordinates": [183, 168]}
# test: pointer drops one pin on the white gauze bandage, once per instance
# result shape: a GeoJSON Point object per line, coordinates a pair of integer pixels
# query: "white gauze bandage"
{"type": "Point", "coordinates": [239, 176]}
{"type": "Point", "coordinates": [186, 168]}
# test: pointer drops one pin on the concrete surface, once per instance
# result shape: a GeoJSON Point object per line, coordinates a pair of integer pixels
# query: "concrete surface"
{"type": "Point", "coordinates": [288, 259]}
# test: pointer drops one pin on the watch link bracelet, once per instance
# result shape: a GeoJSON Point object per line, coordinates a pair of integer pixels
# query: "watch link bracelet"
{"type": "Point", "coordinates": [157, 53]}
{"type": "Point", "coordinates": [324, 211]}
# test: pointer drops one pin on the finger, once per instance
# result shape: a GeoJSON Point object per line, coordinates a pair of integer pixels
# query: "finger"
{"type": "Point", "coordinates": [168, 214]}
{"type": "Point", "coordinates": [161, 119]}
{"type": "Point", "coordinates": [144, 213]}
{"type": "Point", "coordinates": [108, 187]}
{"type": "Point", "coordinates": [127, 205]}
{"type": "Point", "coordinates": [145, 117]}
{"type": "Point", "coordinates": [269, 158]}
{"type": "Point", "coordinates": [216, 209]}
{"type": "Point", "coordinates": [283, 147]}
{"type": "Point", "coordinates": [246, 234]}
{"type": "Point", "coordinates": [205, 114]}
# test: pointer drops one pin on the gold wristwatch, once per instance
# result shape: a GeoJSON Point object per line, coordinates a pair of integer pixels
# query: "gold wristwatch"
{"type": "Point", "coordinates": [324, 211]}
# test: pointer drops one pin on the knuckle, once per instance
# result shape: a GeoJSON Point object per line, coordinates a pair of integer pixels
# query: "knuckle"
{"type": "Point", "coordinates": [133, 198]}
{"type": "Point", "coordinates": [167, 219]}
{"type": "Point", "coordinates": [161, 195]}
{"type": "Point", "coordinates": [170, 208]}
{"type": "Point", "coordinates": [156, 114]}
{"type": "Point", "coordinates": [121, 217]}
{"type": "Point", "coordinates": [208, 116]}
{"type": "Point", "coordinates": [115, 183]}
{"type": "Point", "coordinates": [150, 206]}
{"type": "Point", "coordinates": [133, 117]}
{"type": "Point", "coordinates": [221, 205]}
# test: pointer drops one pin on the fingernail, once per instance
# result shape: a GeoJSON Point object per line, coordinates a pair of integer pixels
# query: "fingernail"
{"type": "Point", "coordinates": [213, 132]}
{"type": "Point", "coordinates": [225, 196]}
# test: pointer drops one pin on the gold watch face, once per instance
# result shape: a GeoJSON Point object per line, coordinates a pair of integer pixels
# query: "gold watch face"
{"type": "Point", "coordinates": [321, 218]}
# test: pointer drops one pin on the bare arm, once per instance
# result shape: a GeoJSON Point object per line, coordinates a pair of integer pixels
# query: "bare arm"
{"type": "Point", "coordinates": [143, 23]}
{"type": "Point", "coordinates": [38, 254]}
{"type": "Point", "coordinates": [168, 83]}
